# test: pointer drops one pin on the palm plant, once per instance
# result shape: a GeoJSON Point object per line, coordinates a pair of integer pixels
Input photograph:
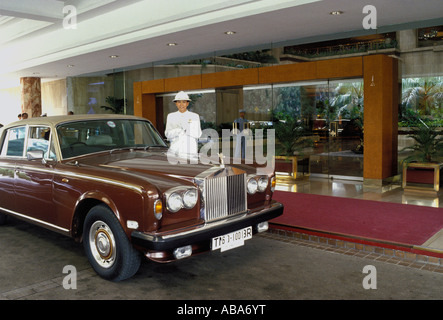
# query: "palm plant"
{"type": "Point", "coordinates": [424, 95]}
{"type": "Point", "coordinates": [428, 144]}
{"type": "Point", "coordinates": [116, 105]}
{"type": "Point", "coordinates": [291, 133]}
{"type": "Point", "coordinates": [348, 98]}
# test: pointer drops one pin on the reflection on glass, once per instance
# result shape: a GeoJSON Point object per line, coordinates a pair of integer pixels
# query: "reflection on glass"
{"type": "Point", "coordinates": [322, 124]}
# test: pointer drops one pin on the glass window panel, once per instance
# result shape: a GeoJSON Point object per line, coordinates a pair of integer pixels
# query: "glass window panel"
{"type": "Point", "coordinates": [84, 137]}
{"type": "Point", "coordinates": [15, 142]}
{"type": "Point", "coordinates": [39, 140]}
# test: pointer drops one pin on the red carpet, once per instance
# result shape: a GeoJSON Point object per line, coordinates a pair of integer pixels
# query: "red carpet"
{"type": "Point", "coordinates": [391, 222]}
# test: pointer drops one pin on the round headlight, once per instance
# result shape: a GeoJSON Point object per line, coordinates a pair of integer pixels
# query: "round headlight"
{"type": "Point", "coordinates": [262, 184]}
{"type": "Point", "coordinates": [252, 186]}
{"type": "Point", "coordinates": [174, 202]}
{"type": "Point", "coordinates": [190, 198]}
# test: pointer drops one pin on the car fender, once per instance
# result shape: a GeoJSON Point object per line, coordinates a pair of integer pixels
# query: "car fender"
{"type": "Point", "coordinates": [85, 202]}
{"type": "Point", "coordinates": [102, 197]}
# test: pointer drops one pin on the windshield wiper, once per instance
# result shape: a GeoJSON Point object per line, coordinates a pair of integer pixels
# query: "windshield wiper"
{"type": "Point", "coordinates": [155, 146]}
{"type": "Point", "coordinates": [137, 148]}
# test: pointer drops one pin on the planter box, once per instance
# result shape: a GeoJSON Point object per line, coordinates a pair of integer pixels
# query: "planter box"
{"type": "Point", "coordinates": [422, 176]}
{"type": "Point", "coordinates": [287, 166]}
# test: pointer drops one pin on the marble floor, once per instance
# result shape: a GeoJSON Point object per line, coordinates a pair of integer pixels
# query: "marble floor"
{"type": "Point", "coordinates": [356, 189]}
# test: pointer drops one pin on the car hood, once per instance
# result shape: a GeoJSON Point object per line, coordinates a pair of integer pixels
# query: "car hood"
{"type": "Point", "coordinates": [153, 166]}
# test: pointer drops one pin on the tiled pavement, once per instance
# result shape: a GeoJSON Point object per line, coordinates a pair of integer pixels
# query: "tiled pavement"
{"type": "Point", "coordinates": [398, 257]}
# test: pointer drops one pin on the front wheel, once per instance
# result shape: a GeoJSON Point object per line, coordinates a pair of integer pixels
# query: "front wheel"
{"type": "Point", "coordinates": [107, 247]}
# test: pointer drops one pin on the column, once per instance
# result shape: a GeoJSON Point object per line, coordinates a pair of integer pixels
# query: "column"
{"type": "Point", "coordinates": [380, 75]}
{"type": "Point", "coordinates": [31, 96]}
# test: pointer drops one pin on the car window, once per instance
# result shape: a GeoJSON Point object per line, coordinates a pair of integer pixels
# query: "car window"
{"type": "Point", "coordinates": [39, 139]}
{"type": "Point", "coordinates": [14, 142]}
{"type": "Point", "coordinates": [84, 137]}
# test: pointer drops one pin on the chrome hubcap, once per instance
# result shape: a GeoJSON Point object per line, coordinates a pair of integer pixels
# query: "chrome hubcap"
{"type": "Point", "coordinates": [102, 244]}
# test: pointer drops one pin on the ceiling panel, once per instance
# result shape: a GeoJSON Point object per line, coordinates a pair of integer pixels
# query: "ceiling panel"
{"type": "Point", "coordinates": [35, 42]}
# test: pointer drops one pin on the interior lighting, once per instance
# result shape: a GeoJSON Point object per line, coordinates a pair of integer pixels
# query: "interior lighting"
{"type": "Point", "coordinates": [113, 56]}
{"type": "Point", "coordinates": [335, 13]}
{"type": "Point", "coordinates": [171, 44]}
{"type": "Point", "coordinates": [230, 33]}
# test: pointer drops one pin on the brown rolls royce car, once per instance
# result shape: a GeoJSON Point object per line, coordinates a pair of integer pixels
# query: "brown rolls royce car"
{"type": "Point", "coordinates": [108, 181]}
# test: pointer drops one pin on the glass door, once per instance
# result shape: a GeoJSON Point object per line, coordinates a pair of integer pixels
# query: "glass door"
{"type": "Point", "coordinates": [301, 122]}
{"type": "Point", "coordinates": [345, 138]}
{"type": "Point", "coordinates": [322, 124]}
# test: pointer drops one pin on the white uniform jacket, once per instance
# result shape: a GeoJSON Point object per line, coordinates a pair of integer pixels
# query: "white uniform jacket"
{"type": "Point", "coordinates": [183, 131]}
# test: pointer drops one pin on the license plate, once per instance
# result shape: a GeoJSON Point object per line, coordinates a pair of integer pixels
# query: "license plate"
{"type": "Point", "coordinates": [231, 240]}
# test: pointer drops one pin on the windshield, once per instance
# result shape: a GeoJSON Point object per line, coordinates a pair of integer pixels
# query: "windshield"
{"type": "Point", "coordinates": [84, 137]}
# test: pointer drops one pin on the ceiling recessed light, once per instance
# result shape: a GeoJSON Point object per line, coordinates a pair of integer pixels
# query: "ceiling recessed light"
{"type": "Point", "coordinates": [229, 33]}
{"type": "Point", "coordinates": [113, 56]}
{"type": "Point", "coordinates": [171, 44]}
{"type": "Point", "coordinates": [336, 13]}
{"type": "Point", "coordinates": [70, 66]}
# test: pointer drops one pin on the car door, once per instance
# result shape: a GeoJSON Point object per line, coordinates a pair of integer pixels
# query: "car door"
{"type": "Point", "coordinates": [13, 141]}
{"type": "Point", "coordinates": [34, 177]}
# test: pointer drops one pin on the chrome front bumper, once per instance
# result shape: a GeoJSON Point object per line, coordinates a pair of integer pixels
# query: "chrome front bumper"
{"type": "Point", "coordinates": [207, 231]}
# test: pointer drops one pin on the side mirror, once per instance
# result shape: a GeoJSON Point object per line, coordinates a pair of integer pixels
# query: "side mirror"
{"type": "Point", "coordinates": [35, 155]}
{"type": "Point", "coordinates": [39, 155]}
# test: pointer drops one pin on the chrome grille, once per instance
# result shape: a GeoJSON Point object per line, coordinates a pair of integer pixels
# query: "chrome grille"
{"type": "Point", "coordinates": [224, 196]}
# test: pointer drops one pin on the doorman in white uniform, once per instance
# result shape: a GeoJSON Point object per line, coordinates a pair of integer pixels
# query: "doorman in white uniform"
{"type": "Point", "coordinates": [183, 127]}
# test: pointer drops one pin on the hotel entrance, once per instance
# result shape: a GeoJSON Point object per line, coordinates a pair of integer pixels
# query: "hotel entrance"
{"type": "Point", "coordinates": [317, 124]}
{"type": "Point", "coordinates": [322, 124]}
{"type": "Point", "coordinates": [338, 150]}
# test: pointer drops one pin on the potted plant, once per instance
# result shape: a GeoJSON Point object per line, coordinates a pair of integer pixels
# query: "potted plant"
{"type": "Point", "coordinates": [292, 136]}
{"type": "Point", "coordinates": [421, 168]}
{"type": "Point", "coordinates": [116, 105]}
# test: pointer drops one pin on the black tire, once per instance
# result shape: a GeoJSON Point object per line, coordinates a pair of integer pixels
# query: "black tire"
{"type": "Point", "coordinates": [2, 219]}
{"type": "Point", "coordinates": [107, 247]}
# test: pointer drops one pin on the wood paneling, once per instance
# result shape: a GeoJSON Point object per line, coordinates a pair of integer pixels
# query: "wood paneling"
{"type": "Point", "coordinates": [153, 86]}
{"type": "Point", "coordinates": [149, 108]}
{"type": "Point", "coordinates": [340, 68]}
{"type": "Point", "coordinates": [287, 73]}
{"type": "Point", "coordinates": [183, 83]}
{"type": "Point", "coordinates": [230, 78]}
{"type": "Point", "coordinates": [380, 116]}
